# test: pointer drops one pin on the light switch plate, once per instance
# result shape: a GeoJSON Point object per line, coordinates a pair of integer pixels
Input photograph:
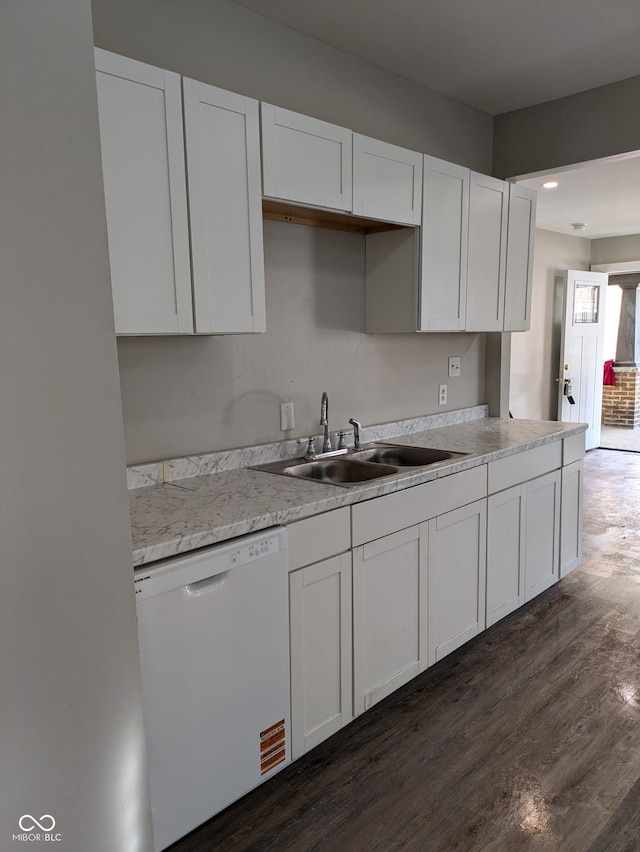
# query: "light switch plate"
{"type": "Point", "coordinates": [287, 417]}
{"type": "Point", "coordinates": [454, 366]}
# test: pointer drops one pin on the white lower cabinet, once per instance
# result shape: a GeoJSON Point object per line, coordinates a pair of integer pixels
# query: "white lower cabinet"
{"type": "Point", "coordinates": [542, 533]}
{"type": "Point", "coordinates": [457, 572]}
{"type": "Point", "coordinates": [320, 623]}
{"type": "Point", "coordinates": [389, 614]}
{"type": "Point", "coordinates": [523, 535]}
{"type": "Point", "coordinates": [571, 517]}
{"type": "Point", "coordinates": [505, 553]}
{"type": "Point", "coordinates": [383, 589]}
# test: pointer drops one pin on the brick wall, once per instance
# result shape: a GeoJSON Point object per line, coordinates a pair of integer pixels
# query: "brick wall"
{"type": "Point", "coordinates": [621, 402]}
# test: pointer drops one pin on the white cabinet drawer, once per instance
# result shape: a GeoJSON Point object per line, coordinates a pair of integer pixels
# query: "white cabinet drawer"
{"type": "Point", "coordinates": [318, 537]}
{"type": "Point", "coordinates": [520, 467]}
{"type": "Point", "coordinates": [385, 515]}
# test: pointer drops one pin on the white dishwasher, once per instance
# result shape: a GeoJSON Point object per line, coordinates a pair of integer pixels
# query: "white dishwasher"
{"type": "Point", "coordinates": [213, 627]}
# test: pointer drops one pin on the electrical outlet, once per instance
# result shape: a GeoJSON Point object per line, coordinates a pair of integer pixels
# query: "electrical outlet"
{"type": "Point", "coordinates": [287, 418]}
{"type": "Point", "coordinates": [442, 395]}
{"type": "Point", "coordinates": [454, 366]}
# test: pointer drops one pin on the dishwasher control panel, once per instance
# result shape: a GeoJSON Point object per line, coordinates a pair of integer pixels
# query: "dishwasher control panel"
{"type": "Point", "coordinates": [207, 563]}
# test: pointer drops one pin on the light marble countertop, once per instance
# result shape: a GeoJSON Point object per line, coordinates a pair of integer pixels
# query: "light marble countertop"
{"type": "Point", "coordinates": [182, 515]}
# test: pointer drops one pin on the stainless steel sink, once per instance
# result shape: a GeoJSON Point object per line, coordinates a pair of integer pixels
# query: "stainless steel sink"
{"type": "Point", "coordinates": [401, 456]}
{"type": "Point", "coordinates": [340, 471]}
{"type": "Point", "coordinates": [373, 461]}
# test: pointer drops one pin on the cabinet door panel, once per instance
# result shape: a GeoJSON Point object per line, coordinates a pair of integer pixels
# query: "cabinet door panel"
{"type": "Point", "coordinates": [505, 553]}
{"type": "Point", "coordinates": [387, 181]}
{"type": "Point", "coordinates": [542, 533]}
{"type": "Point", "coordinates": [389, 594]}
{"type": "Point", "coordinates": [223, 158]}
{"type": "Point", "coordinates": [140, 110]}
{"type": "Point", "coordinates": [520, 247]}
{"type": "Point", "coordinates": [488, 202]}
{"type": "Point", "coordinates": [305, 159]}
{"type": "Point", "coordinates": [457, 576]}
{"type": "Point", "coordinates": [321, 667]}
{"type": "Point", "coordinates": [571, 517]}
{"type": "Point", "coordinates": [445, 226]}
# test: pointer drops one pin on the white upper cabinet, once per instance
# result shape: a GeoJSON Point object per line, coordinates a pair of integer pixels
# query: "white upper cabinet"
{"type": "Point", "coordinates": [140, 109]}
{"type": "Point", "coordinates": [487, 254]}
{"type": "Point", "coordinates": [387, 181]}
{"type": "Point", "coordinates": [306, 160]}
{"type": "Point", "coordinates": [445, 228]}
{"type": "Point", "coordinates": [520, 247]}
{"type": "Point", "coordinates": [223, 164]}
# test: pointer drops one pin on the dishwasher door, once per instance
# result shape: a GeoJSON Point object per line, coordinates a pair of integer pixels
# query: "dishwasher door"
{"type": "Point", "coordinates": [214, 654]}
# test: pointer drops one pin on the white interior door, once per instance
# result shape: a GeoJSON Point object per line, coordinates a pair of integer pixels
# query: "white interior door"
{"type": "Point", "coordinates": [581, 359]}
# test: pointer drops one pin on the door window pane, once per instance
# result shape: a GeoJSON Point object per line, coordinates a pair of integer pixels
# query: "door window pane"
{"type": "Point", "coordinates": [587, 303]}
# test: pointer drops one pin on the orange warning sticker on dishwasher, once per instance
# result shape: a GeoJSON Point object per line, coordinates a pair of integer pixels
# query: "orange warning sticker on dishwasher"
{"type": "Point", "coordinates": [272, 747]}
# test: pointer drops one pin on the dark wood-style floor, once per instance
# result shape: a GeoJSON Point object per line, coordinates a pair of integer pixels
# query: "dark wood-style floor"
{"type": "Point", "coordinates": [526, 738]}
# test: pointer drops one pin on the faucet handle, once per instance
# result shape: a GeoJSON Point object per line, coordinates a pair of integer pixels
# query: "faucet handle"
{"type": "Point", "coordinates": [310, 452]}
{"type": "Point", "coordinates": [357, 433]}
{"type": "Point", "coordinates": [342, 440]}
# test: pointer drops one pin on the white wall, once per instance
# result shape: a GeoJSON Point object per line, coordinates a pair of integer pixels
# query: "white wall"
{"type": "Point", "coordinates": [71, 741]}
{"type": "Point", "coordinates": [535, 354]}
{"type": "Point", "coordinates": [197, 394]}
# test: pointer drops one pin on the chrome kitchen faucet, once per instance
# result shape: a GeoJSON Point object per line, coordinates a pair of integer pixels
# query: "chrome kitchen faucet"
{"type": "Point", "coordinates": [324, 421]}
{"type": "Point", "coordinates": [327, 450]}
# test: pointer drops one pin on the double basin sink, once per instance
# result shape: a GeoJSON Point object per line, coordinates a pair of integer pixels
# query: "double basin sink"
{"type": "Point", "coordinates": [372, 461]}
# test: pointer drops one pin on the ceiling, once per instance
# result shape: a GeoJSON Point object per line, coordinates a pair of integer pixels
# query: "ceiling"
{"type": "Point", "coordinates": [495, 55]}
{"type": "Point", "coordinates": [498, 56]}
{"type": "Point", "coordinates": [604, 195]}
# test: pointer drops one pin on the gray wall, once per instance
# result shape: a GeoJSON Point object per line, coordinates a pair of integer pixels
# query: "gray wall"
{"type": "Point", "coordinates": [615, 249]}
{"type": "Point", "coordinates": [191, 395]}
{"type": "Point", "coordinates": [535, 354]}
{"type": "Point", "coordinates": [588, 126]}
{"type": "Point", "coordinates": [72, 741]}
{"type": "Point", "coordinates": [219, 42]}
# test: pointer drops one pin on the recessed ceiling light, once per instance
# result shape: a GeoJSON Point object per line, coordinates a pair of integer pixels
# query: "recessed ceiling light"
{"type": "Point", "coordinates": [550, 184]}
{"type": "Point", "coordinates": [578, 226]}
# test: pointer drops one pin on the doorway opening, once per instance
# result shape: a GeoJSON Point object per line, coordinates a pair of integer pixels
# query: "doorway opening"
{"type": "Point", "coordinates": [620, 429]}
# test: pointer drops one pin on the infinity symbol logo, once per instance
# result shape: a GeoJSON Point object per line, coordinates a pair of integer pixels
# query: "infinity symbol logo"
{"type": "Point", "coordinates": [45, 823]}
